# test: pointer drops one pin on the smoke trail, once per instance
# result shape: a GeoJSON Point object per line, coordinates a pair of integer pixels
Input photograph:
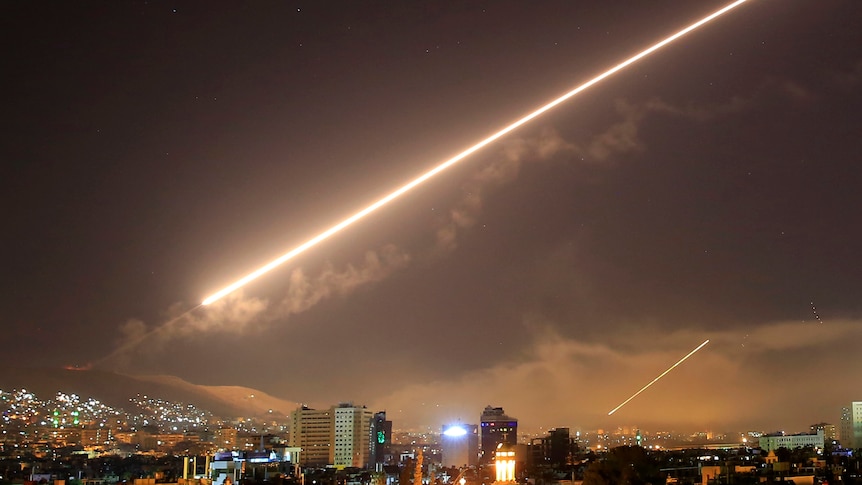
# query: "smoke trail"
{"type": "Point", "coordinates": [135, 332]}
{"type": "Point", "coordinates": [622, 136]}
{"type": "Point", "coordinates": [422, 178]}
{"type": "Point", "coordinates": [238, 314]}
{"type": "Point", "coordinates": [304, 292]}
{"type": "Point", "coordinates": [502, 171]}
{"type": "Point", "coordinates": [644, 388]}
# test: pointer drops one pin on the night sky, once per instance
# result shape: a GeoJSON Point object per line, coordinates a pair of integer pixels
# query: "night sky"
{"type": "Point", "coordinates": [156, 151]}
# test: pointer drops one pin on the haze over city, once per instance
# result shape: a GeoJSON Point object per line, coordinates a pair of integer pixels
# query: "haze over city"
{"type": "Point", "coordinates": [158, 151]}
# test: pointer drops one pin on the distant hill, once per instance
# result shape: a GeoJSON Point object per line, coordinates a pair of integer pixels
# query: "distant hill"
{"type": "Point", "coordinates": [116, 389]}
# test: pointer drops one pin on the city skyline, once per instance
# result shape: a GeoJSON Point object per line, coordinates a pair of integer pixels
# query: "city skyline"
{"type": "Point", "coordinates": [709, 192]}
{"type": "Point", "coordinates": [246, 406]}
{"type": "Point", "coordinates": [30, 414]}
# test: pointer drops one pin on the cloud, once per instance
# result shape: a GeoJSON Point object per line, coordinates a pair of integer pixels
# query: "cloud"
{"type": "Point", "coordinates": [304, 292]}
{"type": "Point", "coordinates": [503, 170]}
{"type": "Point", "coordinates": [622, 136]}
{"type": "Point", "coordinates": [233, 314]}
{"type": "Point", "coordinates": [238, 314]}
{"type": "Point", "coordinates": [576, 383]}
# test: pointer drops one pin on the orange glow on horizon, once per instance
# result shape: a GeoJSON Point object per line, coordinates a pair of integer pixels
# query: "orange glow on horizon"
{"type": "Point", "coordinates": [644, 388]}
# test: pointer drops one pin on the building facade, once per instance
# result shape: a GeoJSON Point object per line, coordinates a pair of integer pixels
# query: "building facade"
{"type": "Point", "coordinates": [497, 428]}
{"type": "Point", "coordinates": [556, 450]}
{"type": "Point", "coordinates": [793, 441]}
{"type": "Point", "coordinates": [460, 445]}
{"type": "Point", "coordinates": [382, 438]}
{"type": "Point", "coordinates": [225, 438]}
{"type": "Point", "coordinates": [342, 436]}
{"type": "Point", "coordinates": [851, 425]}
{"type": "Point", "coordinates": [354, 436]}
{"type": "Point", "coordinates": [312, 431]}
{"type": "Point", "coordinates": [830, 431]}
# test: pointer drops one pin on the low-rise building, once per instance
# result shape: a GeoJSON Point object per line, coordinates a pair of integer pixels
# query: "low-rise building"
{"type": "Point", "coordinates": [772, 442]}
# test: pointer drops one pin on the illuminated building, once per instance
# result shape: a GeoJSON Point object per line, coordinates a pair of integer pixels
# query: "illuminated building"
{"type": "Point", "coordinates": [225, 438]}
{"type": "Point", "coordinates": [341, 435]}
{"type": "Point", "coordinates": [354, 438]}
{"type": "Point", "coordinates": [166, 441]}
{"type": "Point", "coordinates": [225, 465]}
{"type": "Point", "coordinates": [851, 425]}
{"type": "Point", "coordinates": [497, 428]}
{"type": "Point", "coordinates": [460, 445]}
{"type": "Point", "coordinates": [504, 462]}
{"type": "Point", "coordinates": [382, 437]}
{"type": "Point", "coordinates": [312, 430]}
{"type": "Point", "coordinates": [830, 431]}
{"type": "Point", "coordinates": [775, 441]}
{"type": "Point", "coordinates": [96, 437]}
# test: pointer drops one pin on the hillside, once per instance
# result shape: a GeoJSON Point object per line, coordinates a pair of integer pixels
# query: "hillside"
{"type": "Point", "coordinates": [116, 389]}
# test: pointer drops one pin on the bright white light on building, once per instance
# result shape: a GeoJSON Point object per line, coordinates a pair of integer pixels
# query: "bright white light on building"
{"type": "Point", "coordinates": [455, 431]}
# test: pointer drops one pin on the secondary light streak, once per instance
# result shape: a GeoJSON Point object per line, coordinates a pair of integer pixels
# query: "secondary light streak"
{"type": "Point", "coordinates": [816, 315]}
{"type": "Point", "coordinates": [457, 158]}
{"type": "Point", "coordinates": [644, 388]}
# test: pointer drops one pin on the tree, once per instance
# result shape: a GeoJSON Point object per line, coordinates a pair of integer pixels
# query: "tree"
{"type": "Point", "coordinates": [624, 465]}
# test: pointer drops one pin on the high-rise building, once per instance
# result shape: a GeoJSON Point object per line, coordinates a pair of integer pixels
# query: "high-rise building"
{"type": "Point", "coordinates": [96, 437]}
{"type": "Point", "coordinates": [225, 438]}
{"type": "Point", "coordinates": [555, 450]}
{"type": "Point", "coordinates": [341, 435]}
{"type": "Point", "coordinates": [844, 427]}
{"type": "Point", "coordinates": [382, 437]}
{"type": "Point", "coordinates": [312, 430]}
{"type": "Point", "coordinates": [851, 425]}
{"type": "Point", "coordinates": [830, 431]}
{"type": "Point", "coordinates": [460, 445]}
{"type": "Point", "coordinates": [497, 428]}
{"type": "Point", "coordinates": [354, 436]}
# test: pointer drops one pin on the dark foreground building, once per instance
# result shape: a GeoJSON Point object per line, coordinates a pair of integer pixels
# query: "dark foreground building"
{"type": "Point", "coordinates": [497, 428]}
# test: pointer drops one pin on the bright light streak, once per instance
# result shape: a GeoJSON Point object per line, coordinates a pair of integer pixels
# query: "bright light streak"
{"type": "Point", "coordinates": [454, 431]}
{"type": "Point", "coordinates": [457, 158]}
{"type": "Point", "coordinates": [644, 388]}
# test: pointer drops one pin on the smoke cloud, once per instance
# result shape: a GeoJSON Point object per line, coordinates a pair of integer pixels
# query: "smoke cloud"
{"type": "Point", "coordinates": [304, 292]}
{"type": "Point", "coordinates": [239, 314]}
{"type": "Point", "coordinates": [503, 170]}
{"type": "Point", "coordinates": [722, 379]}
{"type": "Point", "coordinates": [622, 136]}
